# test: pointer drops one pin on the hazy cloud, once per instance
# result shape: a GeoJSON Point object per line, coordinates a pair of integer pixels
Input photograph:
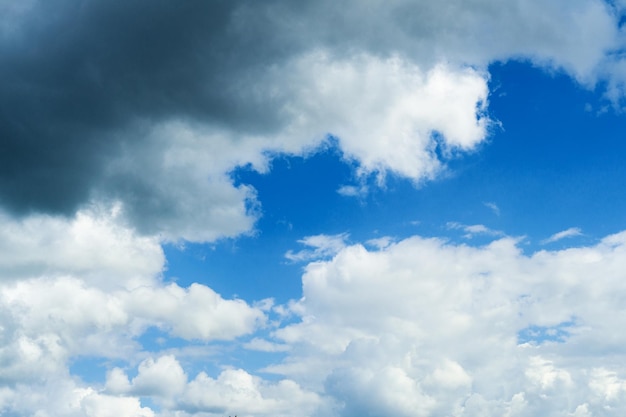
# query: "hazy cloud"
{"type": "Point", "coordinates": [493, 207]}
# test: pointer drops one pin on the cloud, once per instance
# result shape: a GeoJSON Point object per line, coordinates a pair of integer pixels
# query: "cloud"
{"type": "Point", "coordinates": [425, 326]}
{"type": "Point", "coordinates": [353, 191]}
{"type": "Point", "coordinates": [571, 232]}
{"type": "Point", "coordinates": [150, 106]}
{"type": "Point", "coordinates": [65, 397]}
{"type": "Point", "coordinates": [324, 246]}
{"type": "Point", "coordinates": [94, 244]}
{"type": "Point", "coordinates": [493, 207]}
{"type": "Point", "coordinates": [120, 123]}
{"type": "Point", "coordinates": [409, 104]}
{"type": "Point", "coordinates": [196, 312]}
{"type": "Point", "coordinates": [154, 113]}
{"type": "Point", "coordinates": [163, 377]}
{"type": "Point", "coordinates": [415, 327]}
{"type": "Point", "coordinates": [474, 229]}
{"type": "Point", "coordinates": [90, 287]}
{"type": "Point", "coordinates": [234, 391]}
{"type": "Point", "coordinates": [381, 242]}
{"type": "Point", "coordinates": [265, 346]}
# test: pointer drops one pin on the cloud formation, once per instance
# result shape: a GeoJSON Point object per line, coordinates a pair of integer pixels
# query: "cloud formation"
{"type": "Point", "coordinates": [152, 104]}
{"type": "Point", "coordinates": [120, 123]}
{"type": "Point", "coordinates": [324, 246]}
{"type": "Point", "coordinates": [91, 287]}
{"type": "Point", "coordinates": [571, 232]}
{"type": "Point", "coordinates": [415, 327]}
{"type": "Point", "coordinates": [422, 327]}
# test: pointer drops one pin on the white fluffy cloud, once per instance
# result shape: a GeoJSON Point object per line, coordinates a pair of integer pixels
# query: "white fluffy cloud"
{"type": "Point", "coordinates": [234, 391]}
{"type": "Point", "coordinates": [163, 377]}
{"type": "Point", "coordinates": [422, 327]}
{"type": "Point", "coordinates": [89, 286]}
{"type": "Point", "coordinates": [417, 327]}
{"type": "Point", "coordinates": [93, 245]}
{"type": "Point", "coordinates": [385, 112]}
{"type": "Point", "coordinates": [63, 397]}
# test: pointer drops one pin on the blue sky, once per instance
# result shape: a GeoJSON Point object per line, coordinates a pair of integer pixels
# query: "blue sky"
{"type": "Point", "coordinates": [278, 208]}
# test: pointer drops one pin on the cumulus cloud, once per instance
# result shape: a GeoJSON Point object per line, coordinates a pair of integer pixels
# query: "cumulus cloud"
{"type": "Point", "coordinates": [120, 123]}
{"type": "Point", "coordinates": [236, 391]}
{"type": "Point", "coordinates": [163, 377]}
{"type": "Point", "coordinates": [426, 327]}
{"type": "Point", "coordinates": [93, 244]}
{"type": "Point", "coordinates": [415, 327]}
{"type": "Point", "coordinates": [152, 105]}
{"type": "Point", "coordinates": [93, 113]}
{"type": "Point", "coordinates": [89, 286]}
{"type": "Point", "coordinates": [65, 397]}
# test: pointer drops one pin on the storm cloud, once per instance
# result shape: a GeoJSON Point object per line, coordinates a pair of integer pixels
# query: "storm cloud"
{"type": "Point", "coordinates": [95, 94]}
{"type": "Point", "coordinates": [82, 78]}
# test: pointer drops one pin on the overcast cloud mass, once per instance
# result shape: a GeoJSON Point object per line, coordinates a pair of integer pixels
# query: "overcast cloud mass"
{"type": "Point", "coordinates": [121, 125]}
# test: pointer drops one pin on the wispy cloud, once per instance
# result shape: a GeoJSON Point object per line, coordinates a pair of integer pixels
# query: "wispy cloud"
{"type": "Point", "coordinates": [473, 229]}
{"type": "Point", "coordinates": [493, 207]}
{"type": "Point", "coordinates": [323, 246]}
{"type": "Point", "coordinates": [263, 345]}
{"type": "Point", "coordinates": [353, 190]}
{"type": "Point", "coordinates": [381, 242]}
{"type": "Point", "coordinates": [571, 232]}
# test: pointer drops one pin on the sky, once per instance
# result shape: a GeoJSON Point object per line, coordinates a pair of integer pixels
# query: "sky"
{"type": "Point", "coordinates": [312, 208]}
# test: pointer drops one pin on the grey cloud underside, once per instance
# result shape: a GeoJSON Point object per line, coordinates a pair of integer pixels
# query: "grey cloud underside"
{"type": "Point", "coordinates": [85, 81]}
{"type": "Point", "coordinates": [79, 77]}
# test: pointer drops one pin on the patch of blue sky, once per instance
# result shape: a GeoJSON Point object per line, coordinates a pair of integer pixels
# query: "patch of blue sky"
{"type": "Point", "coordinates": [150, 403]}
{"type": "Point", "coordinates": [542, 334]}
{"type": "Point", "coordinates": [154, 339]}
{"type": "Point", "coordinates": [92, 369]}
{"type": "Point", "coordinates": [557, 159]}
{"type": "Point", "coordinates": [254, 361]}
{"type": "Point", "coordinates": [263, 272]}
{"type": "Point", "coordinates": [251, 352]}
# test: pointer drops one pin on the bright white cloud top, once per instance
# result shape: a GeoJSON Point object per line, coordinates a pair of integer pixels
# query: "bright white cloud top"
{"type": "Point", "coordinates": [139, 140]}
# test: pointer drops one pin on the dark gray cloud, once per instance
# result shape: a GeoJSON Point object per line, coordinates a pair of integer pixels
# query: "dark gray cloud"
{"type": "Point", "coordinates": [77, 75]}
{"type": "Point", "coordinates": [85, 82]}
